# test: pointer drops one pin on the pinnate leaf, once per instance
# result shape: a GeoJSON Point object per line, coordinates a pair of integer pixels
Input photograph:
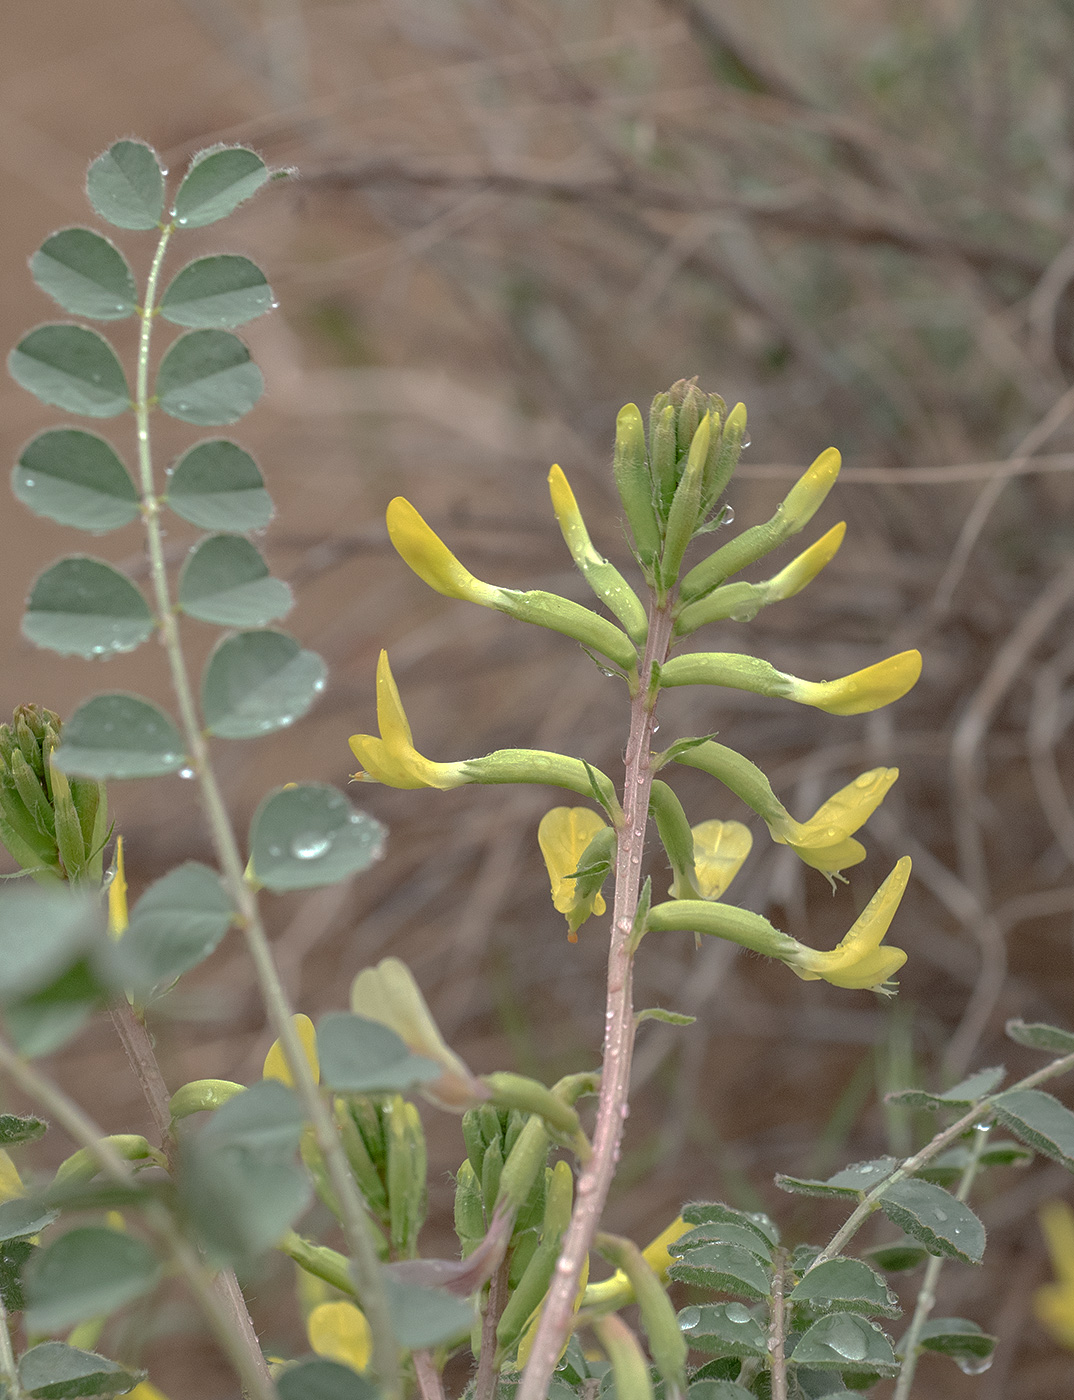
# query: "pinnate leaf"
{"type": "Point", "coordinates": [844, 1342]}
{"type": "Point", "coordinates": [75, 478]}
{"type": "Point", "coordinates": [323, 1380]}
{"type": "Point", "coordinates": [73, 368]}
{"type": "Point", "coordinates": [14, 1129]}
{"type": "Point", "coordinates": [846, 1285]}
{"type": "Point", "coordinates": [962, 1095]}
{"type": "Point", "coordinates": [960, 1339]}
{"type": "Point", "coordinates": [726, 1267]}
{"type": "Point", "coordinates": [85, 607]}
{"type": "Point", "coordinates": [218, 486]}
{"type": "Point", "coordinates": [120, 736]}
{"type": "Point", "coordinates": [723, 1329]}
{"type": "Point", "coordinates": [126, 186]}
{"type": "Point", "coordinates": [208, 378]}
{"type": "Point", "coordinates": [218, 181]}
{"type": "Point", "coordinates": [22, 1217]}
{"type": "Point", "coordinates": [851, 1183]}
{"type": "Point", "coordinates": [175, 925]}
{"type": "Point", "coordinates": [43, 932]}
{"type": "Point", "coordinates": [715, 1213]}
{"type": "Point", "coordinates": [225, 580]}
{"type": "Point", "coordinates": [256, 682]}
{"type": "Point", "coordinates": [424, 1317]}
{"type": "Point", "coordinates": [226, 290]}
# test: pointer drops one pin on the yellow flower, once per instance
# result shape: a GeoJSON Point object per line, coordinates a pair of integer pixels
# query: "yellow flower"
{"type": "Point", "coordinates": [10, 1181]}
{"type": "Point", "coordinates": [431, 560]}
{"type": "Point", "coordinates": [276, 1066]}
{"type": "Point", "coordinates": [824, 841]}
{"type": "Point", "coordinates": [563, 835]}
{"type": "Point", "coordinates": [392, 759]}
{"type": "Point", "coordinates": [719, 850]}
{"type": "Point", "coordinates": [339, 1332]}
{"type": "Point", "coordinates": [145, 1391]}
{"type": "Point", "coordinates": [617, 1292]}
{"type": "Point", "coordinates": [859, 960]}
{"type": "Point", "coordinates": [863, 691]}
{"type": "Point", "coordinates": [118, 917]}
{"type": "Point", "coordinates": [1053, 1303]}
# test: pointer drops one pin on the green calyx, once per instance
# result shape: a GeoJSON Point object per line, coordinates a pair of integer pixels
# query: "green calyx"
{"type": "Point", "coordinates": [55, 828]}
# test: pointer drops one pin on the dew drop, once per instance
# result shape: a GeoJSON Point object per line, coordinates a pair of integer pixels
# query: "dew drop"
{"type": "Point", "coordinates": [28, 481]}
{"type": "Point", "coordinates": [746, 442]}
{"type": "Point", "coordinates": [310, 844]}
{"type": "Point", "coordinates": [318, 684]}
{"type": "Point", "coordinates": [688, 1319]}
{"type": "Point", "coordinates": [845, 1339]}
{"type": "Point", "coordinates": [973, 1365]}
{"type": "Point", "coordinates": [727, 516]}
{"type": "Point", "coordinates": [563, 1266]}
{"type": "Point", "coordinates": [187, 773]}
{"type": "Point", "coordinates": [737, 1312]}
{"type": "Point", "coordinates": [274, 305]}
{"type": "Point", "coordinates": [181, 222]}
{"type": "Point", "coordinates": [941, 1215]}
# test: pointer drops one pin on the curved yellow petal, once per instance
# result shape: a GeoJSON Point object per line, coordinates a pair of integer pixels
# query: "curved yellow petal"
{"type": "Point", "coordinates": [862, 691]}
{"type": "Point", "coordinates": [339, 1332]}
{"type": "Point", "coordinates": [276, 1066]}
{"type": "Point", "coordinates": [617, 1291]}
{"type": "Point", "coordinates": [804, 569]}
{"type": "Point", "coordinates": [719, 851]}
{"type": "Point", "coordinates": [563, 835]}
{"type": "Point", "coordinates": [430, 558]}
{"type": "Point", "coordinates": [392, 758]}
{"type": "Point", "coordinates": [859, 961]}
{"type": "Point", "coordinates": [843, 813]}
{"type": "Point", "coordinates": [118, 917]}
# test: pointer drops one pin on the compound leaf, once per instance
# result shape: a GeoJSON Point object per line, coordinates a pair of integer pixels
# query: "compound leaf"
{"type": "Point", "coordinates": [175, 925]}
{"type": "Point", "coordinates": [88, 1272]}
{"type": "Point", "coordinates": [226, 290]}
{"type": "Point", "coordinates": [218, 181]}
{"type": "Point", "coordinates": [1041, 1121]}
{"type": "Point", "coordinates": [218, 486]}
{"type": "Point", "coordinates": [359, 1056]}
{"type": "Point", "coordinates": [86, 274]}
{"type": "Point", "coordinates": [225, 580]}
{"type": "Point", "coordinates": [935, 1218]}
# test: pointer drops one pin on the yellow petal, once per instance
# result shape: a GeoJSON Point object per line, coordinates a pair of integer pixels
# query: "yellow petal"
{"type": "Point", "coordinates": [118, 918]}
{"type": "Point", "coordinates": [859, 961]}
{"type": "Point", "coordinates": [1053, 1305]}
{"type": "Point", "coordinates": [563, 835]}
{"type": "Point", "coordinates": [618, 1291]}
{"type": "Point", "coordinates": [276, 1066]}
{"type": "Point", "coordinates": [807, 566]}
{"type": "Point", "coordinates": [144, 1391]}
{"type": "Point", "coordinates": [862, 691]}
{"type": "Point", "coordinates": [10, 1181]}
{"type": "Point", "coordinates": [719, 850]}
{"type": "Point", "coordinates": [339, 1332]}
{"type": "Point", "coordinates": [842, 814]}
{"type": "Point", "coordinates": [392, 759]}
{"type": "Point", "coordinates": [430, 558]}
{"type": "Point", "coordinates": [1057, 1225]}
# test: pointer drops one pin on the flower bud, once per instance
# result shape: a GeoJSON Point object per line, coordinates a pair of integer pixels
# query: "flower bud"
{"type": "Point", "coordinates": [685, 514]}
{"type": "Point", "coordinates": [630, 1369]}
{"type": "Point", "coordinates": [430, 558]}
{"type": "Point", "coordinates": [202, 1096]}
{"type": "Point", "coordinates": [724, 454]}
{"type": "Point", "coordinates": [469, 1209]}
{"type": "Point", "coordinates": [362, 1166]}
{"type": "Point", "coordinates": [604, 578]}
{"type": "Point", "coordinates": [855, 694]}
{"type": "Point", "coordinates": [533, 1284]}
{"type": "Point", "coordinates": [407, 1167]}
{"type": "Point", "coordinates": [526, 1159]}
{"type": "Point", "coordinates": [666, 1342]}
{"type": "Point", "coordinates": [634, 484]}
{"type": "Point", "coordinates": [530, 1096]}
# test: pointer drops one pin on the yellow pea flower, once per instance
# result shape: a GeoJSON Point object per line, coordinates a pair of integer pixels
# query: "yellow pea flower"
{"type": "Point", "coordinates": [145, 1391]}
{"type": "Point", "coordinates": [563, 835]}
{"type": "Point", "coordinates": [1053, 1303]}
{"type": "Point", "coordinates": [118, 917]}
{"type": "Point", "coordinates": [824, 841]}
{"type": "Point", "coordinates": [276, 1066]}
{"type": "Point", "coordinates": [859, 961]}
{"type": "Point", "coordinates": [719, 851]}
{"type": "Point", "coordinates": [427, 554]}
{"type": "Point", "coordinates": [617, 1292]}
{"type": "Point", "coordinates": [392, 759]}
{"type": "Point", "coordinates": [339, 1332]}
{"type": "Point", "coordinates": [862, 691]}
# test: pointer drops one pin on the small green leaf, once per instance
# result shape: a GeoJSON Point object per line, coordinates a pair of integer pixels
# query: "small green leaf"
{"type": "Point", "coordinates": [423, 1317]}
{"type": "Point", "coordinates": [723, 1232]}
{"type": "Point", "coordinates": [897, 1258]}
{"type": "Point", "coordinates": [1041, 1122]}
{"type": "Point", "coordinates": [218, 486]}
{"type": "Point", "coordinates": [846, 1285]}
{"type": "Point", "coordinates": [960, 1339]}
{"type": "Point", "coordinates": [85, 607]}
{"type": "Point", "coordinates": [226, 581]}
{"type": "Point", "coordinates": [1041, 1037]}
{"type": "Point", "coordinates": [323, 1380]}
{"type": "Point", "coordinates": [716, 1213]}
{"type": "Point", "coordinates": [120, 736]}
{"type": "Point", "coordinates": [15, 1129]}
{"type": "Point", "coordinates": [712, 1389]}
{"type": "Point", "coordinates": [241, 1184]}
{"type": "Point", "coordinates": [947, 1168]}
{"type": "Point", "coordinates": [726, 1267]}
{"type": "Point", "coordinates": [88, 1272]}
{"type": "Point", "coordinates": [175, 925]}
{"type": "Point", "coordinates": [851, 1183]}
{"type": "Point", "coordinates": [669, 1018]}
{"type": "Point", "coordinates": [21, 1217]}
{"type": "Point", "coordinates": [962, 1095]}
{"type": "Point", "coordinates": [310, 835]}
{"type": "Point", "coordinates": [224, 291]}
{"type": "Point", "coordinates": [73, 368]}
{"type": "Point", "coordinates": [935, 1218]}
{"type": "Point", "coordinates": [75, 478]}
{"type": "Point", "coordinates": [256, 682]}
{"type": "Point", "coordinates": [845, 1342]}
{"type": "Point", "coordinates": [55, 1371]}
{"type": "Point", "coordinates": [126, 186]}
{"type": "Point", "coordinates": [218, 181]}
{"type": "Point", "coordinates": [358, 1056]}
{"type": "Point", "coordinates": [86, 274]}
{"type": "Point", "coordinates": [726, 1329]}
{"type": "Point", "coordinates": [208, 378]}
{"type": "Point", "coordinates": [43, 932]}
{"type": "Point", "coordinates": [47, 1019]}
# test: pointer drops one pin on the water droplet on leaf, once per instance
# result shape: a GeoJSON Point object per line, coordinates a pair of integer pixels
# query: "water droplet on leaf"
{"type": "Point", "coordinates": [310, 844]}
{"type": "Point", "coordinates": [737, 1312]}
{"type": "Point", "coordinates": [973, 1365]}
{"type": "Point", "coordinates": [689, 1318]}
{"type": "Point", "coordinates": [186, 773]}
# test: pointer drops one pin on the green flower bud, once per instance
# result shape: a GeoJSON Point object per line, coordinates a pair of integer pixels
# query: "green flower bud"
{"type": "Point", "coordinates": [491, 1171]}
{"type": "Point", "coordinates": [605, 579]}
{"type": "Point", "coordinates": [663, 454]}
{"type": "Point", "coordinates": [630, 1369]}
{"type": "Point", "coordinates": [469, 1209]}
{"type": "Point", "coordinates": [724, 453]}
{"type": "Point", "coordinates": [527, 1159]}
{"type": "Point", "coordinates": [533, 1284]}
{"type": "Point", "coordinates": [572, 620]}
{"type": "Point", "coordinates": [516, 1091]}
{"type": "Point", "coordinates": [407, 1165]}
{"type": "Point", "coordinates": [685, 514]}
{"type": "Point", "coordinates": [666, 1341]}
{"type": "Point", "coordinates": [358, 1159]}
{"type": "Point", "coordinates": [82, 1166]}
{"type": "Point", "coordinates": [471, 1136]}
{"type": "Point", "coordinates": [676, 838]}
{"type": "Point", "coordinates": [201, 1096]}
{"type": "Point", "coordinates": [725, 921]}
{"type": "Point", "coordinates": [634, 483]}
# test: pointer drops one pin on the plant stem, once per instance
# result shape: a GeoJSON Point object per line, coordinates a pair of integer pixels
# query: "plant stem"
{"type": "Point", "coordinates": [926, 1298]}
{"type": "Point", "coordinates": [777, 1330]}
{"type": "Point", "coordinates": [487, 1370]}
{"type": "Point", "coordinates": [430, 1382]}
{"type": "Point", "coordinates": [596, 1177]}
{"type": "Point", "coordinates": [870, 1202]}
{"type": "Point", "coordinates": [385, 1360]}
{"type": "Point", "coordinates": [8, 1369]}
{"type": "Point", "coordinates": [251, 1370]}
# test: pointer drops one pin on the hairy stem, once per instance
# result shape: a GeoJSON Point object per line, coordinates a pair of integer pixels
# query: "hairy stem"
{"type": "Point", "coordinates": [926, 1298]}
{"type": "Point", "coordinates": [596, 1177]}
{"type": "Point", "coordinates": [251, 1370]}
{"type": "Point", "coordinates": [8, 1369]}
{"type": "Point", "coordinates": [870, 1202]}
{"type": "Point", "coordinates": [385, 1361]}
{"type": "Point", "coordinates": [487, 1370]}
{"type": "Point", "coordinates": [777, 1330]}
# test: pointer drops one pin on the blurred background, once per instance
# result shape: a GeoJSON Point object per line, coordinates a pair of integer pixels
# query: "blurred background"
{"type": "Point", "coordinates": [509, 218]}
